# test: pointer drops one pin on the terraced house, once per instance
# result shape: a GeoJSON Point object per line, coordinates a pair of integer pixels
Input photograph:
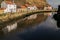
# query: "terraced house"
{"type": "Point", "coordinates": [8, 6]}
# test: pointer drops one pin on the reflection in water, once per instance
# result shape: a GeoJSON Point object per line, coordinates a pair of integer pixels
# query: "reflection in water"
{"type": "Point", "coordinates": [47, 30]}
{"type": "Point", "coordinates": [48, 13]}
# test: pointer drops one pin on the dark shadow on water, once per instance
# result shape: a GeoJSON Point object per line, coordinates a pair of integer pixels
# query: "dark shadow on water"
{"type": "Point", "coordinates": [41, 34]}
{"type": "Point", "coordinates": [44, 31]}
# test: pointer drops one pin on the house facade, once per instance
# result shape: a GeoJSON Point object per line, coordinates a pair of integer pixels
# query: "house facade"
{"type": "Point", "coordinates": [32, 8]}
{"type": "Point", "coordinates": [48, 8]}
{"type": "Point", "coordinates": [8, 6]}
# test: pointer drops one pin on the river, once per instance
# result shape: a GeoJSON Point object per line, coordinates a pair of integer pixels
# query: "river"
{"type": "Point", "coordinates": [46, 30]}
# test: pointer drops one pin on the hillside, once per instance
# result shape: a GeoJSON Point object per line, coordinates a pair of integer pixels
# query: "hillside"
{"type": "Point", "coordinates": [38, 3]}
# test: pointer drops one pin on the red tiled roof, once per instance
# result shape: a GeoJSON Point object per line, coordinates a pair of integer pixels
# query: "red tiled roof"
{"type": "Point", "coordinates": [9, 2]}
{"type": "Point", "coordinates": [2, 8]}
{"type": "Point", "coordinates": [23, 6]}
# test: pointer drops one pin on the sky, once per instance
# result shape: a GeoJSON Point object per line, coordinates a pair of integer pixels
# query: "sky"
{"type": "Point", "coordinates": [54, 3]}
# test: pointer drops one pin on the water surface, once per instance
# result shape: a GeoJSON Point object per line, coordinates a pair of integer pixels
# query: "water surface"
{"type": "Point", "coordinates": [46, 30]}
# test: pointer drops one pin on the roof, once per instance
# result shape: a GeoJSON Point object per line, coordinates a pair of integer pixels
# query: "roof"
{"type": "Point", "coordinates": [2, 8]}
{"type": "Point", "coordinates": [23, 6]}
{"type": "Point", "coordinates": [9, 2]}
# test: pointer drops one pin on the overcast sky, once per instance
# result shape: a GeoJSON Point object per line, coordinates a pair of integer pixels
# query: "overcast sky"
{"type": "Point", "coordinates": [54, 3]}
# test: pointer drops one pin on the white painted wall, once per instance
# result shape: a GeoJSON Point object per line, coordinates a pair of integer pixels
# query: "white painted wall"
{"type": "Point", "coordinates": [3, 4]}
{"type": "Point", "coordinates": [10, 8]}
{"type": "Point", "coordinates": [32, 8]}
{"type": "Point", "coordinates": [47, 8]}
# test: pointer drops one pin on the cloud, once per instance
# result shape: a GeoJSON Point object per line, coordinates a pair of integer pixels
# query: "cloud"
{"type": "Point", "coordinates": [54, 3]}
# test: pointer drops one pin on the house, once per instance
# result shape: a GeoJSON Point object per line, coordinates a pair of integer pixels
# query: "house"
{"type": "Point", "coordinates": [26, 8]}
{"type": "Point", "coordinates": [32, 8]}
{"type": "Point", "coordinates": [22, 8]}
{"type": "Point", "coordinates": [8, 6]}
{"type": "Point", "coordinates": [48, 8]}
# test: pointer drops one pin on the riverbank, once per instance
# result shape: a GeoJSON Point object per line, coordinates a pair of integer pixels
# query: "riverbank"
{"type": "Point", "coordinates": [7, 19]}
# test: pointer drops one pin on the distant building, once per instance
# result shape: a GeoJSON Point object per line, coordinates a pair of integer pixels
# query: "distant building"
{"type": "Point", "coordinates": [22, 8]}
{"type": "Point", "coordinates": [26, 8]}
{"type": "Point", "coordinates": [3, 4]}
{"type": "Point", "coordinates": [8, 6]}
{"type": "Point", "coordinates": [32, 8]}
{"type": "Point", "coordinates": [48, 8]}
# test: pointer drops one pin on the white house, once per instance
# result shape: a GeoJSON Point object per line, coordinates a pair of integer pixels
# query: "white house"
{"type": "Point", "coordinates": [48, 8]}
{"type": "Point", "coordinates": [3, 4]}
{"type": "Point", "coordinates": [9, 6]}
{"type": "Point", "coordinates": [32, 8]}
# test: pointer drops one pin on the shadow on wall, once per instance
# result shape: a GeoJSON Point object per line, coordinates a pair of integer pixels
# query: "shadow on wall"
{"type": "Point", "coordinates": [40, 34]}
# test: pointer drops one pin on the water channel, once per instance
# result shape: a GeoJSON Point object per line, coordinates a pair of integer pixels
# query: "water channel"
{"type": "Point", "coordinates": [46, 30]}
